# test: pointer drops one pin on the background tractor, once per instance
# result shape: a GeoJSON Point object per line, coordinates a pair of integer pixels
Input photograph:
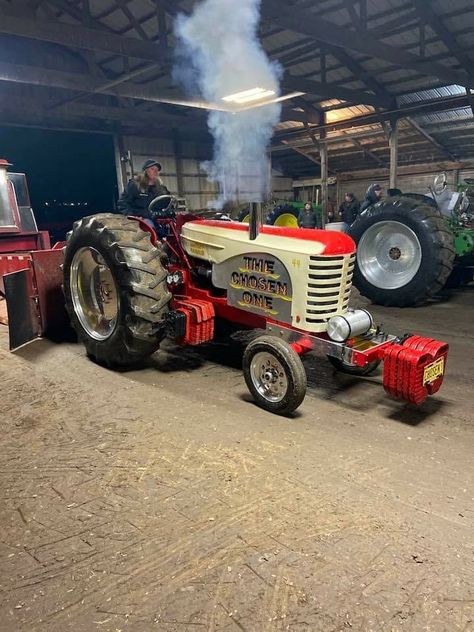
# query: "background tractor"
{"type": "Point", "coordinates": [279, 213]}
{"type": "Point", "coordinates": [128, 285]}
{"type": "Point", "coordinates": [409, 246]}
{"type": "Point", "coordinates": [38, 302]}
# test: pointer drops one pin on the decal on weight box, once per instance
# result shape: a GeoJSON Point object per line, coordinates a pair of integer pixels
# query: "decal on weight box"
{"type": "Point", "coordinates": [433, 371]}
{"type": "Point", "coordinates": [256, 282]}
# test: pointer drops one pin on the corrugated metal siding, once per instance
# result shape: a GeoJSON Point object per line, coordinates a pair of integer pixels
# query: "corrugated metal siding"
{"type": "Point", "coordinates": [282, 188]}
{"type": "Point", "coordinates": [198, 190]}
{"type": "Point", "coordinates": [432, 93]}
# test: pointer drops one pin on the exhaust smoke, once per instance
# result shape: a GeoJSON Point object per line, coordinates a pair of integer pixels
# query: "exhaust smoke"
{"type": "Point", "coordinates": [221, 56]}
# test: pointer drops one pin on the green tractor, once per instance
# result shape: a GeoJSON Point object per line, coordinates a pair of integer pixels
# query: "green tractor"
{"type": "Point", "coordinates": [279, 213]}
{"type": "Point", "coordinates": [409, 246]}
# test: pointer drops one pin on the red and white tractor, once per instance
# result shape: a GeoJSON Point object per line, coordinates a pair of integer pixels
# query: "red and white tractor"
{"type": "Point", "coordinates": [128, 285]}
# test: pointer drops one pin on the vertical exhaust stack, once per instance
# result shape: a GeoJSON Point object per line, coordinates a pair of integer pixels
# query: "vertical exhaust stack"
{"type": "Point", "coordinates": [256, 219]}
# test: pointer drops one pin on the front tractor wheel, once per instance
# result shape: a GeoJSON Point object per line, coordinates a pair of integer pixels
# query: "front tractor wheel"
{"type": "Point", "coordinates": [115, 289]}
{"type": "Point", "coordinates": [274, 375]}
{"type": "Point", "coordinates": [353, 369]}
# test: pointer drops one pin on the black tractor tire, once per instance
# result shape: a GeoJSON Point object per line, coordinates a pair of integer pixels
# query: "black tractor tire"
{"type": "Point", "coordinates": [285, 215]}
{"type": "Point", "coordinates": [141, 290]}
{"type": "Point", "coordinates": [435, 248]}
{"type": "Point", "coordinates": [422, 199]}
{"type": "Point", "coordinates": [244, 216]}
{"type": "Point", "coordinates": [287, 363]}
{"type": "Point", "coordinates": [353, 369]}
{"type": "Point", "coordinates": [460, 276]}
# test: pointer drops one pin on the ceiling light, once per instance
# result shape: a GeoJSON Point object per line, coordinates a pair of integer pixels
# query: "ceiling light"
{"type": "Point", "coordinates": [284, 97]}
{"type": "Point", "coordinates": [234, 103]}
{"type": "Point", "coordinates": [245, 96]}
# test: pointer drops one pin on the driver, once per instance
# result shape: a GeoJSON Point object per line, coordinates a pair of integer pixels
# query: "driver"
{"type": "Point", "coordinates": [141, 190]}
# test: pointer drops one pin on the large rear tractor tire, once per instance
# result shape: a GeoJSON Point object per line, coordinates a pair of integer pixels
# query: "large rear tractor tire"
{"type": "Point", "coordinates": [405, 252]}
{"type": "Point", "coordinates": [421, 199]}
{"type": "Point", "coordinates": [115, 289]}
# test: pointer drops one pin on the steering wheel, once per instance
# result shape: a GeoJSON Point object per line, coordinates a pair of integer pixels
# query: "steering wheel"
{"type": "Point", "coordinates": [162, 204]}
{"type": "Point", "coordinates": [440, 183]}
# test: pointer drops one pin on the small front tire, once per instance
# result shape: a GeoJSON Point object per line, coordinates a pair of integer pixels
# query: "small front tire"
{"type": "Point", "coordinates": [353, 369]}
{"type": "Point", "coordinates": [274, 375]}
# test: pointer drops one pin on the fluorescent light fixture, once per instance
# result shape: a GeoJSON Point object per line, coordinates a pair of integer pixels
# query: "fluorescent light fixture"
{"type": "Point", "coordinates": [234, 103]}
{"type": "Point", "coordinates": [246, 96]}
{"type": "Point", "coordinates": [202, 105]}
{"type": "Point", "coordinates": [284, 97]}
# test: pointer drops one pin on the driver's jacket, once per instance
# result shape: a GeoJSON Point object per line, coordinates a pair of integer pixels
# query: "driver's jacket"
{"type": "Point", "coordinates": [134, 201]}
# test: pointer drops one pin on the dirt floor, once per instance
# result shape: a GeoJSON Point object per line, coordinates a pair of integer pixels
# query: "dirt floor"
{"type": "Point", "coordinates": [163, 499]}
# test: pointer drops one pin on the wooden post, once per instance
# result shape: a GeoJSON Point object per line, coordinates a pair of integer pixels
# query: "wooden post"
{"type": "Point", "coordinates": [120, 166]}
{"type": "Point", "coordinates": [393, 143]}
{"type": "Point", "coordinates": [323, 155]}
{"type": "Point", "coordinates": [178, 161]}
{"type": "Point", "coordinates": [269, 195]}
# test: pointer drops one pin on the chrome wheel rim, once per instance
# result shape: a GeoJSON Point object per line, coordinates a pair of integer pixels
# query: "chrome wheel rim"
{"type": "Point", "coordinates": [94, 293]}
{"type": "Point", "coordinates": [268, 376]}
{"type": "Point", "coordinates": [389, 255]}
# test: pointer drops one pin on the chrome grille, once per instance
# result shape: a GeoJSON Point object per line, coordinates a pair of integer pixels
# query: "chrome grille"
{"type": "Point", "coordinates": [329, 286]}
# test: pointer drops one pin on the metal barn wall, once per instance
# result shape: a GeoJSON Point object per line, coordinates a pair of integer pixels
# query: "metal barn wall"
{"type": "Point", "coordinates": [195, 187]}
{"type": "Point", "coordinates": [282, 187]}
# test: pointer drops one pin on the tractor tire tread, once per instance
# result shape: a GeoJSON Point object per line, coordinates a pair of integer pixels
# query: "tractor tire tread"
{"type": "Point", "coordinates": [158, 254]}
{"type": "Point", "coordinates": [141, 318]}
{"type": "Point", "coordinates": [430, 228]}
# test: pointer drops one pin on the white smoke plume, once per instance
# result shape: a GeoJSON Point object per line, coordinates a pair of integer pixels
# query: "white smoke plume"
{"type": "Point", "coordinates": [220, 54]}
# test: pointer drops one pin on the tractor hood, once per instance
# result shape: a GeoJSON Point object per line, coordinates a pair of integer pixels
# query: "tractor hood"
{"type": "Point", "coordinates": [215, 241]}
{"type": "Point", "coordinates": [297, 276]}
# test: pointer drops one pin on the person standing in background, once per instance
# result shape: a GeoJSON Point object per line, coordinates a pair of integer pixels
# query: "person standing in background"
{"type": "Point", "coordinates": [308, 217]}
{"type": "Point", "coordinates": [349, 209]}
{"type": "Point", "coordinates": [331, 210]}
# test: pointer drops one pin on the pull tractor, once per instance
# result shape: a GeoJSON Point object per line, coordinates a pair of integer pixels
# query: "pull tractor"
{"type": "Point", "coordinates": [410, 245]}
{"type": "Point", "coordinates": [129, 283]}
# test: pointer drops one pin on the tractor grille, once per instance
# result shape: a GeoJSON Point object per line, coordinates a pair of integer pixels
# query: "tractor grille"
{"type": "Point", "coordinates": [329, 286]}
